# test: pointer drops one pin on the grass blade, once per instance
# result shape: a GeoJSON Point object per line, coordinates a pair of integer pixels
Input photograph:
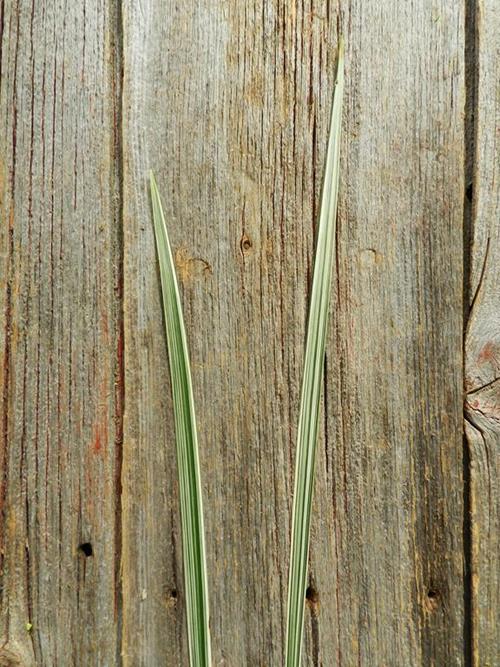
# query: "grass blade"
{"type": "Point", "coordinates": [193, 541]}
{"type": "Point", "coordinates": [312, 381]}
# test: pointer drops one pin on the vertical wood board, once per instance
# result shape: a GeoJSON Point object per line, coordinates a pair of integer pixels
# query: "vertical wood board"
{"type": "Point", "coordinates": [60, 375]}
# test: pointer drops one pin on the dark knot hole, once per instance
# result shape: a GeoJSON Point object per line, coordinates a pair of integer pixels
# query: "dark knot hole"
{"type": "Point", "coordinates": [86, 549]}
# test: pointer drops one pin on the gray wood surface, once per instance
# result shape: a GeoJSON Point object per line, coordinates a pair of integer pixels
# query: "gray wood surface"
{"type": "Point", "coordinates": [483, 344]}
{"type": "Point", "coordinates": [229, 103]}
{"type": "Point", "coordinates": [388, 549]}
{"type": "Point", "coordinates": [60, 372]}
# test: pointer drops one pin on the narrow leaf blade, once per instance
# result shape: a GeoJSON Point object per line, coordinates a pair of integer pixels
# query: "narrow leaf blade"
{"type": "Point", "coordinates": [312, 381]}
{"type": "Point", "coordinates": [193, 540]}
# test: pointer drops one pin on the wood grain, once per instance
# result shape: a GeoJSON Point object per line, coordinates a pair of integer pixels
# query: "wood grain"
{"type": "Point", "coordinates": [60, 373]}
{"type": "Point", "coordinates": [390, 486]}
{"type": "Point", "coordinates": [228, 102]}
{"type": "Point", "coordinates": [482, 345]}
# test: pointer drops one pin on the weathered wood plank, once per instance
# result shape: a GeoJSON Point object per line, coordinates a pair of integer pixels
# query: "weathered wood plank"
{"type": "Point", "coordinates": [483, 343]}
{"type": "Point", "coordinates": [229, 103]}
{"type": "Point", "coordinates": [393, 452]}
{"type": "Point", "coordinates": [60, 303]}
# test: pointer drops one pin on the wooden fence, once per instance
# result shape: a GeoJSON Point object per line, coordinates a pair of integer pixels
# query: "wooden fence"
{"type": "Point", "coordinates": [228, 101]}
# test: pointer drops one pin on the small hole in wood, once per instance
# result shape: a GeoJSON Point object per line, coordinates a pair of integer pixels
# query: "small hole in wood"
{"type": "Point", "coordinates": [312, 600]}
{"type": "Point", "coordinates": [432, 600]}
{"type": "Point", "coordinates": [312, 595]}
{"type": "Point", "coordinates": [86, 549]}
{"type": "Point", "coordinates": [245, 244]}
{"type": "Point", "coordinates": [172, 598]}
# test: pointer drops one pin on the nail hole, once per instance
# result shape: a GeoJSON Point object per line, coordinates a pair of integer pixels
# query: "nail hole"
{"type": "Point", "coordinates": [312, 594]}
{"type": "Point", "coordinates": [432, 600]}
{"type": "Point", "coordinates": [172, 598]}
{"type": "Point", "coordinates": [245, 243]}
{"type": "Point", "coordinates": [469, 192]}
{"type": "Point", "coordinates": [312, 600]}
{"type": "Point", "coordinates": [86, 549]}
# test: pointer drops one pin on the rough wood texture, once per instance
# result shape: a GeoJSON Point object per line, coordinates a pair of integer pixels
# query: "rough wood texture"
{"type": "Point", "coordinates": [59, 276]}
{"type": "Point", "coordinates": [389, 511]}
{"type": "Point", "coordinates": [228, 102]}
{"type": "Point", "coordinates": [483, 344]}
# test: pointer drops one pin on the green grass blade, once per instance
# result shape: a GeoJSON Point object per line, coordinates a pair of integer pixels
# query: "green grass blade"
{"type": "Point", "coordinates": [193, 542]}
{"type": "Point", "coordinates": [312, 381]}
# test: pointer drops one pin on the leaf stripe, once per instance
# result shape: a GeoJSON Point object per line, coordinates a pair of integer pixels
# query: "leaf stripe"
{"type": "Point", "coordinates": [193, 541]}
{"type": "Point", "coordinates": [313, 380]}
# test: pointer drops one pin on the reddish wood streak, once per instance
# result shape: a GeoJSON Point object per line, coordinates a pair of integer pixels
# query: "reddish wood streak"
{"type": "Point", "coordinates": [97, 442]}
{"type": "Point", "coordinates": [488, 353]}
